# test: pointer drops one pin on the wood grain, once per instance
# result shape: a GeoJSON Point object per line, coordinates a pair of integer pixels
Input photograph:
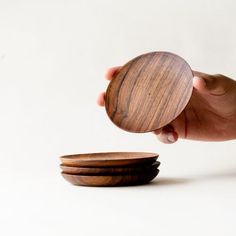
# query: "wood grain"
{"type": "Point", "coordinates": [109, 170]}
{"type": "Point", "coordinates": [117, 180]}
{"type": "Point", "coordinates": [149, 92]}
{"type": "Point", "coordinates": [109, 159]}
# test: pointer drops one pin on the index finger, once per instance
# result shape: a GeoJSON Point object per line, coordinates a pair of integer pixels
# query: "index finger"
{"type": "Point", "coordinates": [111, 72]}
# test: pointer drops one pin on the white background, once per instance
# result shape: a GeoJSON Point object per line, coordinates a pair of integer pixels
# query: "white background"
{"type": "Point", "coordinates": [53, 55]}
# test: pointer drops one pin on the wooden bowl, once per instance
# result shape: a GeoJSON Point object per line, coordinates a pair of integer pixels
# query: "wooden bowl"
{"type": "Point", "coordinates": [111, 180]}
{"type": "Point", "coordinates": [111, 159]}
{"type": "Point", "coordinates": [109, 170]}
{"type": "Point", "coordinates": [149, 92]}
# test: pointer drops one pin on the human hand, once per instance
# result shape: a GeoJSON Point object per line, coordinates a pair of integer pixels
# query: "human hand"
{"type": "Point", "coordinates": [210, 114]}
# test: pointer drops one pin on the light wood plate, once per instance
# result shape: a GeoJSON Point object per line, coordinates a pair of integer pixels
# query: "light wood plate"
{"type": "Point", "coordinates": [113, 180]}
{"type": "Point", "coordinates": [149, 92]}
{"type": "Point", "coordinates": [109, 159]}
{"type": "Point", "coordinates": [109, 170]}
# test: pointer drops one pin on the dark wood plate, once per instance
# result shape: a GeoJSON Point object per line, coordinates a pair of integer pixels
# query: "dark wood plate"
{"type": "Point", "coordinates": [109, 159]}
{"type": "Point", "coordinates": [117, 180]}
{"type": "Point", "coordinates": [149, 92]}
{"type": "Point", "coordinates": [109, 170]}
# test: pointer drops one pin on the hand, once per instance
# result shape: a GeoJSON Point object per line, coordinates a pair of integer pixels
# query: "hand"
{"type": "Point", "coordinates": [210, 114]}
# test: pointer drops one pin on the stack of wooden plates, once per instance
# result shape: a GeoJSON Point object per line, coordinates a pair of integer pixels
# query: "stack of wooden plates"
{"type": "Point", "coordinates": [110, 169]}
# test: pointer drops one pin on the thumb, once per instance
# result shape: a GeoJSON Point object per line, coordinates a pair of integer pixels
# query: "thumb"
{"type": "Point", "coordinates": [211, 84]}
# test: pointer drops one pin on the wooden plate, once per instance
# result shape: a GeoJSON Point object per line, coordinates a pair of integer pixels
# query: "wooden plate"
{"type": "Point", "coordinates": [109, 170]}
{"type": "Point", "coordinates": [117, 180]}
{"type": "Point", "coordinates": [149, 92]}
{"type": "Point", "coordinates": [109, 159]}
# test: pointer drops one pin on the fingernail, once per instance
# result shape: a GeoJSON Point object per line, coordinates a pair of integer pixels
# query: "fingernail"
{"type": "Point", "coordinates": [171, 138]}
{"type": "Point", "coordinates": [196, 79]}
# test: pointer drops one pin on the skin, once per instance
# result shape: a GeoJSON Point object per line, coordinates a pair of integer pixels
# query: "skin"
{"type": "Point", "coordinates": [210, 114]}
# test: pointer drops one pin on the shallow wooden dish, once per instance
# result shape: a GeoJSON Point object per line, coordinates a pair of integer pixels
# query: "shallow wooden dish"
{"type": "Point", "coordinates": [149, 92]}
{"type": "Point", "coordinates": [113, 159]}
{"type": "Point", "coordinates": [112, 180]}
{"type": "Point", "coordinates": [109, 170]}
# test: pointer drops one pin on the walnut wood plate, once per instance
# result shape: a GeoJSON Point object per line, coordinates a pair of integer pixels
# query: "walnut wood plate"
{"type": "Point", "coordinates": [109, 170]}
{"type": "Point", "coordinates": [109, 159]}
{"type": "Point", "coordinates": [149, 92]}
{"type": "Point", "coordinates": [113, 180]}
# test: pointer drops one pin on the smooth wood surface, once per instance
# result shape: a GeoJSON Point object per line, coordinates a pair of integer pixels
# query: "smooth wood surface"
{"type": "Point", "coordinates": [113, 180]}
{"type": "Point", "coordinates": [109, 170]}
{"type": "Point", "coordinates": [149, 92]}
{"type": "Point", "coordinates": [109, 159]}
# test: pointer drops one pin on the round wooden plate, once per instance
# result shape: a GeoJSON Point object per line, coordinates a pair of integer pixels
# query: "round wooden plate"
{"type": "Point", "coordinates": [149, 92]}
{"type": "Point", "coordinates": [116, 180]}
{"type": "Point", "coordinates": [109, 159]}
{"type": "Point", "coordinates": [109, 170]}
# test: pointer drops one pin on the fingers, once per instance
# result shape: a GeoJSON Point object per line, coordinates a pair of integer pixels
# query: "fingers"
{"type": "Point", "coordinates": [167, 134]}
{"type": "Point", "coordinates": [157, 131]}
{"type": "Point", "coordinates": [111, 72]}
{"type": "Point", "coordinates": [168, 138]}
{"type": "Point", "coordinates": [101, 99]}
{"type": "Point", "coordinates": [109, 75]}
